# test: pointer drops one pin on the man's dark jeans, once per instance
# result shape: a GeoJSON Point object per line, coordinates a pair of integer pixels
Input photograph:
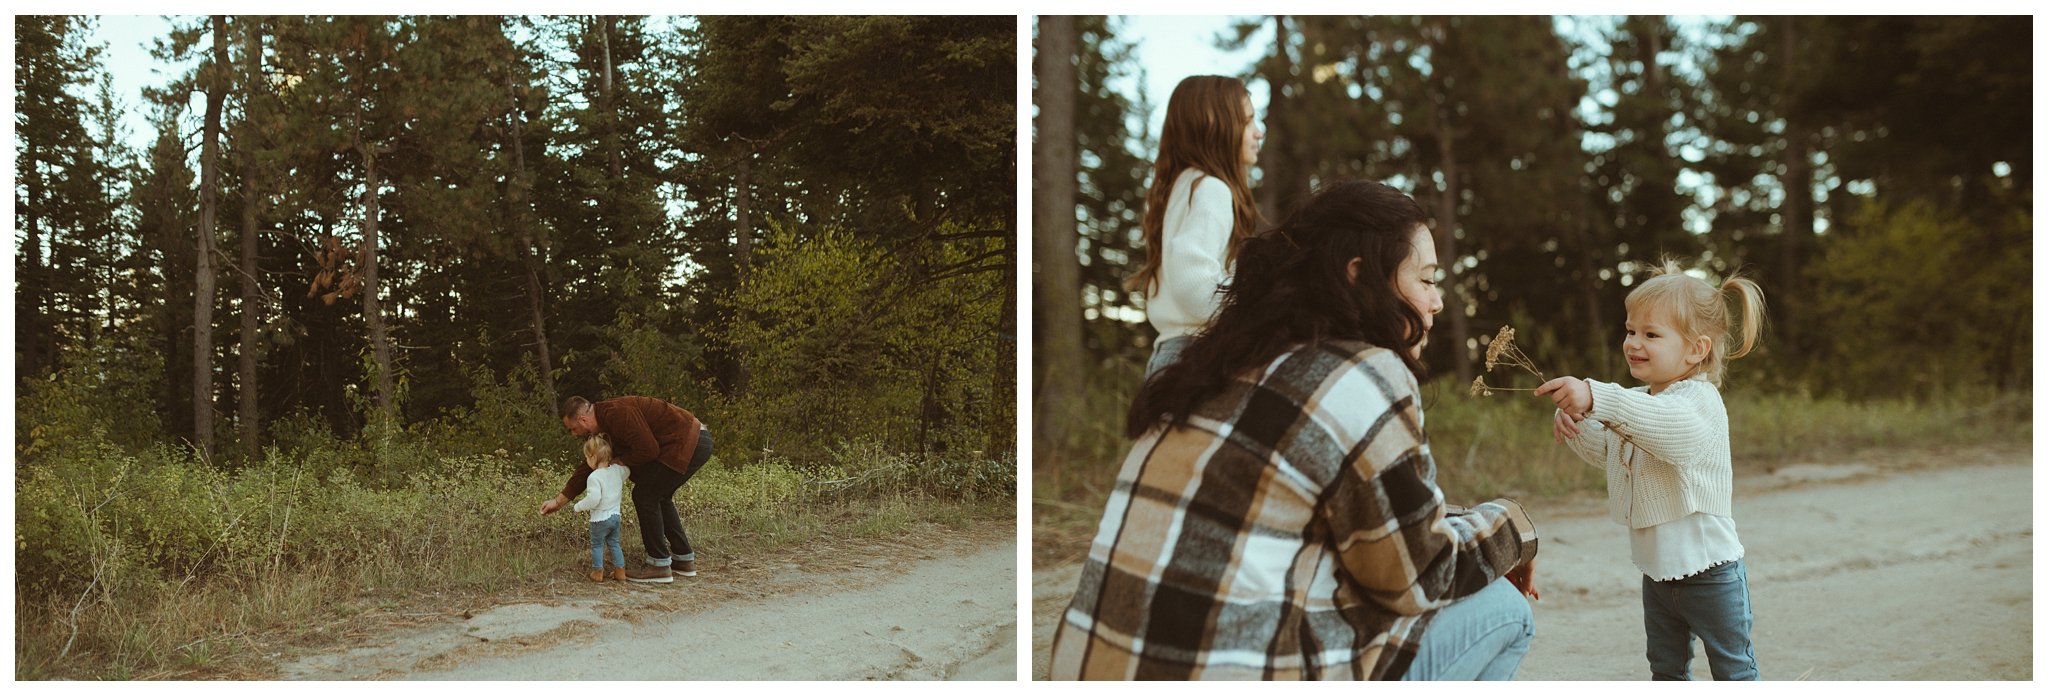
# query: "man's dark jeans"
{"type": "Point", "coordinates": [654, 505]}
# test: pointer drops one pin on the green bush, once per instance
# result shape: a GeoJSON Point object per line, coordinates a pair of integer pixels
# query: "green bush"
{"type": "Point", "coordinates": [1914, 282]}
{"type": "Point", "coordinates": [107, 385]}
{"type": "Point", "coordinates": [842, 339]}
{"type": "Point", "coordinates": [515, 415]}
{"type": "Point", "coordinates": [864, 468]}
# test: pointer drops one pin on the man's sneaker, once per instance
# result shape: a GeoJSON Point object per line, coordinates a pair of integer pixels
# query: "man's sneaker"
{"type": "Point", "coordinates": [650, 573]}
{"type": "Point", "coordinates": [684, 568]}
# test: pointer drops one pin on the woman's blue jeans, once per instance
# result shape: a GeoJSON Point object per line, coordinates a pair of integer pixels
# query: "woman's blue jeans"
{"type": "Point", "coordinates": [605, 535]}
{"type": "Point", "coordinates": [1483, 637]}
{"type": "Point", "coordinates": [1714, 605]}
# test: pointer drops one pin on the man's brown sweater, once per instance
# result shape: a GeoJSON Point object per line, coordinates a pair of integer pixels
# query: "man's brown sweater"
{"type": "Point", "coordinates": [642, 431]}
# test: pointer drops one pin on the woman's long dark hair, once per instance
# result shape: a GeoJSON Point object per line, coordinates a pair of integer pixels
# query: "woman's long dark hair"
{"type": "Point", "coordinates": [1292, 288]}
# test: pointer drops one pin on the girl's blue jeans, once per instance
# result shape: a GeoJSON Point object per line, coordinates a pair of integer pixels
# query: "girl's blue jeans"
{"type": "Point", "coordinates": [1714, 605]}
{"type": "Point", "coordinates": [1165, 352]}
{"type": "Point", "coordinates": [605, 535]}
{"type": "Point", "coordinates": [1483, 637]}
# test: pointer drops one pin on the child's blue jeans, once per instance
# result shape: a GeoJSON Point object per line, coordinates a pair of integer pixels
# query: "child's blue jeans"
{"type": "Point", "coordinates": [605, 535]}
{"type": "Point", "coordinates": [1714, 605]}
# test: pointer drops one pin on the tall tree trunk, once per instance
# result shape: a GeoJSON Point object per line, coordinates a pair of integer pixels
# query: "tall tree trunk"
{"type": "Point", "coordinates": [1447, 203]}
{"type": "Point", "coordinates": [252, 296]}
{"type": "Point", "coordinates": [529, 254]}
{"type": "Point", "coordinates": [31, 279]}
{"type": "Point", "coordinates": [1284, 181]}
{"type": "Point", "coordinates": [1056, 271]}
{"type": "Point", "coordinates": [743, 252]}
{"type": "Point", "coordinates": [1797, 215]}
{"type": "Point", "coordinates": [930, 413]}
{"type": "Point", "coordinates": [1001, 433]}
{"type": "Point", "coordinates": [203, 290]}
{"type": "Point", "coordinates": [743, 203]}
{"type": "Point", "coordinates": [380, 345]}
{"type": "Point", "coordinates": [610, 109]}
{"type": "Point", "coordinates": [1653, 28]}
{"type": "Point", "coordinates": [1447, 252]}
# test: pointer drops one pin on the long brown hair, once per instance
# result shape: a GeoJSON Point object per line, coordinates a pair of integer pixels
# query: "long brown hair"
{"type": "Point", "coordinates": [1293, 287]}
{"type": "Point", "coordinates": [1205, 120]}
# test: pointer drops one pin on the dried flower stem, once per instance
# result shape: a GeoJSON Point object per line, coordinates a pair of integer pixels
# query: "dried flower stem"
{"type": "Point", "coordinates": [1502, 349]}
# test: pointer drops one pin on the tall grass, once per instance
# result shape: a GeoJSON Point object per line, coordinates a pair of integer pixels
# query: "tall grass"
{"type": "Point", "coordinates": [139, 559]}
{"type": "Point", "coordinates": [1501, 444]}
{"type": "Point", "coordinates": [156, 564]}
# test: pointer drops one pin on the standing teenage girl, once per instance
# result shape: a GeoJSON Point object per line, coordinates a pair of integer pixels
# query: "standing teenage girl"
{"type": "Point", "coordinates": [1199, 210]}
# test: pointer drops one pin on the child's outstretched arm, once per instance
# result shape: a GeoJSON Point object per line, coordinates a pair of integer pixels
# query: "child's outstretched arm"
{"type": "Point", "coordinates": [1675, 426]}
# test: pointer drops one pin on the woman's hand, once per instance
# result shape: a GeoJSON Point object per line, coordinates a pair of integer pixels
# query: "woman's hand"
{"type": "Point", "coordinates": [1564, 426]}
{"type": "Point", "coordinates": [553, 504]}
{"type": "Point", "coordinates": [1572, 394]}
{"type": "Point", "coordinates": [1523, 577]}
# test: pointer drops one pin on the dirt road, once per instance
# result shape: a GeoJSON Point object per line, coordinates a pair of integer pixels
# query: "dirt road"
{"type": "Point", "coordinates": [1858, 570]}
{"type": "Point", "coordinates": [950, 614]}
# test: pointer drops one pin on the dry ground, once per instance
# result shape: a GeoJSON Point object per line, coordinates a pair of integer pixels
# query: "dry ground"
{"type": "Point", "coordinates": [1896, 566]}
{"type": "Point", "coordinates": [939, 610]}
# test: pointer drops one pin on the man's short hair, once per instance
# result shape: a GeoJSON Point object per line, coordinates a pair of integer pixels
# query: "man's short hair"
{"type": "Point", "coordinates": [574, 405]}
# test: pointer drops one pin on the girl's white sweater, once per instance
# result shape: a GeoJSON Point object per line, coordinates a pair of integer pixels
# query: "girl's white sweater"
{"type": "Point", "coordinates": [606, 487]}
{"type": "Point", "coordinates": [1194, 240]}
{"type": "Point", "coordinates": [1666, 455]}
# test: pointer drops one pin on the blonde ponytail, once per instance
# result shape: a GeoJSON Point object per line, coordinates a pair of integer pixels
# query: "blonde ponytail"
{"type": "Point", "coordinates": [1750, 297]}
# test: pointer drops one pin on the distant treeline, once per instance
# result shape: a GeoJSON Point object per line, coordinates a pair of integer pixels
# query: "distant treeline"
{"type": "Point", "coordinates": [1874, 174]}
{"type": "Point", "coordinates": [800, 227]}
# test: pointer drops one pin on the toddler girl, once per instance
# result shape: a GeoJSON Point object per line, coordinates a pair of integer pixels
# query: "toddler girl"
{"type": "Point", "coordinates": [1664, 446]}
{"type": "Point", "coordinates": [601, 500]}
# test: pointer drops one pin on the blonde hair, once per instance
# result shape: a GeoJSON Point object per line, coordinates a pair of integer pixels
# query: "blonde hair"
{"type": "Point", "coordinates": [1701, 309]}
{"type": "Point", "coordinates": [597, 451]}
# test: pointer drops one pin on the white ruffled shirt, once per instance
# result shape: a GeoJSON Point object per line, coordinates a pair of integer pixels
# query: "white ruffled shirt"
{"type": "Point", "coordinates": [1685, 546]}
{"type": "Point", "coordinates": [1194, 239]}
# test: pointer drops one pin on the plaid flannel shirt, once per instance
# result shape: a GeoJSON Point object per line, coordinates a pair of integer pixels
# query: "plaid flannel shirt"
{"type": "Point", "coordinates": [1291, 529]}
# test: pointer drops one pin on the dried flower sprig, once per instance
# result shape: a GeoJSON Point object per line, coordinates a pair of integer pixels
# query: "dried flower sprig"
{"type": "Point", "coordinates": [1502, 350]}
{"type": "Point", "coordinates": [1503, 346]}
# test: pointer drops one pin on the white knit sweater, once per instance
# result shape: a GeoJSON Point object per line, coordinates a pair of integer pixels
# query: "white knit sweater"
{"type": "Point", "coordinates": [1666, 455]}
{"type": "Point", "coordinates": [1194, 240]}
{"type": "Point", "coordinates": [606, 487]}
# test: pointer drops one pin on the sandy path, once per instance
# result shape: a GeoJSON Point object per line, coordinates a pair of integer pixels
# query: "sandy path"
{"type": "Point", "coordinates": [944, 617]}
{"type": "Point", "coordinates": [1857, 571]}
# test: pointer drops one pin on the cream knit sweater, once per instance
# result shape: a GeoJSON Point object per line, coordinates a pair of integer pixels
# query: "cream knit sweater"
{"type": "Point", "coordinates": [1666, 456]}
{"type": "Point", "coordinates": [1194, 239]}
